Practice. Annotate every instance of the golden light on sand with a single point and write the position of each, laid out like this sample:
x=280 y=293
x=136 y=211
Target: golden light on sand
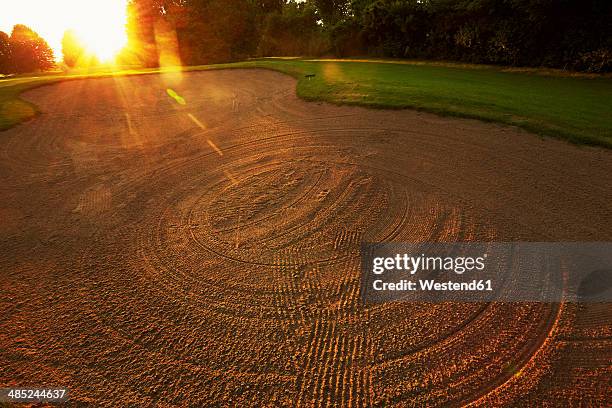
x=99 y=24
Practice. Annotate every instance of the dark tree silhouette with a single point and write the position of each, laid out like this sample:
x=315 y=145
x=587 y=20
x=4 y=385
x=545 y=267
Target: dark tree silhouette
x=269 y=6
x=293 y=31
x=332 y=11
x=30 y=52
x=5 y=54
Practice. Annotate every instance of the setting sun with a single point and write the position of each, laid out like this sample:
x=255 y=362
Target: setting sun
x=99 y=24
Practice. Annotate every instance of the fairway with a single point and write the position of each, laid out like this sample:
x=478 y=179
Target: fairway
x=183 y=238
x=572 y=108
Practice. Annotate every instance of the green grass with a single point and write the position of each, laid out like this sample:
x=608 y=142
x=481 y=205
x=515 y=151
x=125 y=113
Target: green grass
x=12 y=109
x=574 y=108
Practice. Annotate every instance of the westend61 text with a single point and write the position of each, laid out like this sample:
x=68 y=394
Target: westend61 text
x=431 y=285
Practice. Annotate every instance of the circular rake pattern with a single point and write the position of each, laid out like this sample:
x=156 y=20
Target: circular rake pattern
x=271 y=232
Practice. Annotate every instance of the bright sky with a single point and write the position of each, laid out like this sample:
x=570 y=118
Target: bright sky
x=99 y=23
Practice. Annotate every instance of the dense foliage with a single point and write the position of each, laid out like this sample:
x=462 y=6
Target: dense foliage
x=24 y=51
x=569 y=34
x=557 y=33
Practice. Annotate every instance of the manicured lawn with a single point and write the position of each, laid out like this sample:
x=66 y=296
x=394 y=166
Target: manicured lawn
x=12 y=109
x=578 y=109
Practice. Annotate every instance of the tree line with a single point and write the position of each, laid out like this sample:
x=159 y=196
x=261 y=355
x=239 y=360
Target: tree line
x=567 y=34
x=24 y=51
x=572 y=34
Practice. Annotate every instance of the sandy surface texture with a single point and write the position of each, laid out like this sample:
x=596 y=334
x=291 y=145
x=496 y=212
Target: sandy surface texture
x=200 y=247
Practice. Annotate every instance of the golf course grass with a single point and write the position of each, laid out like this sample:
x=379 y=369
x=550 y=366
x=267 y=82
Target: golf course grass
x=14 y=110
x=574 y=108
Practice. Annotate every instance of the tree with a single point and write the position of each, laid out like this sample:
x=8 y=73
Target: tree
x=398 y=28
x=142 y=17
x=29 y=51
x=269 y=6
x=292 y=31
x=72 y=49
x=5 y=53
x=211 y=31
x=332 y=11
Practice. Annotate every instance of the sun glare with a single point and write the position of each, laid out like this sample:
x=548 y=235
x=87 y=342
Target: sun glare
x=99 y=24
x=102 y=28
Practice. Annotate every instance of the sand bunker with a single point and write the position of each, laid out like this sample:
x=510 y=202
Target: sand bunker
x=207 y=251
